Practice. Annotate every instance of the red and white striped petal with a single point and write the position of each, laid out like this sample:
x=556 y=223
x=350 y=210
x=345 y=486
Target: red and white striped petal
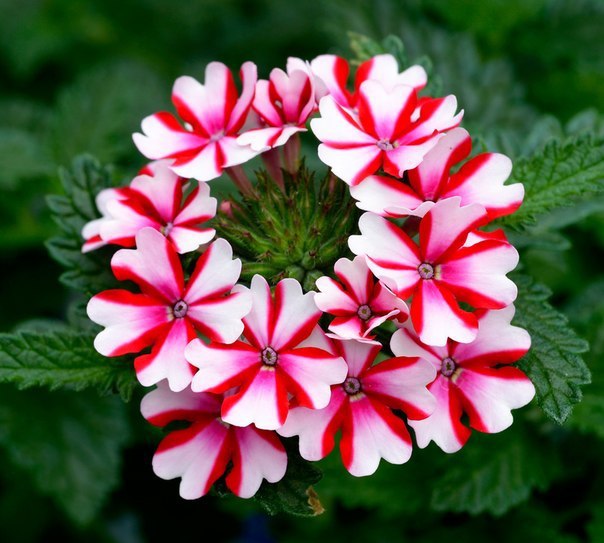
x=296 y=315
x=370 y=432
x=356 y=277
x=388 y=197
x=384 y=301
x=435 y=115
x=203 y=163
x=162 y=406
x=437 y=317
x=391 y=255
x=295 y=93
x=91 y=230
x=351 y=164
x=259 y=321
x=333 y=73
x=498 y=342
x=215 y=274
x=482 y=180
x=221 y=367
x=154 y=266
x=316 y=428
x=333 y=299
x=476 y=274
x=167 y=358
x=445 y=228
x=257 y=455
x=262 y=401
x=163 y=190
x=384 y=68
x=384 y=114
x=126 y=218
x=358 y=355
x=263 y=139
x=232 y=153
x=319 y=340
x=489 y=395
x=188 y=239
x=199 y=207
x=310 y=374
x=350 y=327
x=443 y=426
x=409 y=155
x=199 y=455
x=430 y=179
x=405 y=343
x=132 y=321
x=401 y=383
x=248 y=75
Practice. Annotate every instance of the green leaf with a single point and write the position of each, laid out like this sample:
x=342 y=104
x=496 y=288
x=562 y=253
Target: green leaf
x=89 y=273
x=294 y=494
x=69 y=443
x=558 y=176
x=494 y=473
x=62 y=359
x=554 y=363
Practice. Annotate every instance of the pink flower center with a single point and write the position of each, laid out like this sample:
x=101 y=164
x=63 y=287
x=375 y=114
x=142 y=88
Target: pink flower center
x=425 y=270
x=180 y=309
x=351 y=386
x=448 y=366
x=217 y=136
x=269 y=356
x=364 y=312
x=385 y=145
x=165 y=230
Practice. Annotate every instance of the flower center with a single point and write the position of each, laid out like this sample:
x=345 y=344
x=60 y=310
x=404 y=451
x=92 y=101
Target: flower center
x=165 y=230
x=351 y=386
x=217 y=136
x=425 y=270
x=385 y=145
x=269 y=356
x=448 y=366
x=180 y=309
x=364 y=312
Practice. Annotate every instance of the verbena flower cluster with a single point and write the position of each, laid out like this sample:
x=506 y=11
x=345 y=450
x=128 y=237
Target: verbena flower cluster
x=415 y=330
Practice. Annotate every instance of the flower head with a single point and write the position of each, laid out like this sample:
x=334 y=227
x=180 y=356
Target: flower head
x=284 y=353
x=361 y=407
x=201 y=453
x=213 y=117
x=474 y=378
x=168 y=313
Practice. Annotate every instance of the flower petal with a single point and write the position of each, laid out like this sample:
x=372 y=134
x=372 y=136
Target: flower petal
x=386 y=196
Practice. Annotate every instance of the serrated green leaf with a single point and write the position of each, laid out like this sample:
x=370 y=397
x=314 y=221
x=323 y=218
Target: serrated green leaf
x=69 y=443
x=554 y=363
x=559 y=176
x=89 y=273
x=494 y=473
x=62 y=359
x=294 y=494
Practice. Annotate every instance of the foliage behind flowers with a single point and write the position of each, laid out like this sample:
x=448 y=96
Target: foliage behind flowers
x=492 y=475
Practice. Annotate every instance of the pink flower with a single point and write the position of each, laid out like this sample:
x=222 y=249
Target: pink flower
x=213 y=116
x=156 y=200
x=283 y=104
x=333 y=71
x=201 y=453
x=441 y=271
x=285 y=353
x=360 y=304
x=473 y=378
x=362 y=409
x=167 y=313
x=480 y=180
x=392 y=130
x=91 y=232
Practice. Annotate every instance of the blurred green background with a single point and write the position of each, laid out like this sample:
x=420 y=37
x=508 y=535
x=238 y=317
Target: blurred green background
x=78 y=76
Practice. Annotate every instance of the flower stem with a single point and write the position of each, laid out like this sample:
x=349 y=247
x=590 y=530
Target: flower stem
x=291 y=153
x=241 y=180
x=272 y=164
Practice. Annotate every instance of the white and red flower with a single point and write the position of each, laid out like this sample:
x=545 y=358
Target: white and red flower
x=480 y=180
x=91 y=232
x=283 y=103
x=155 y=199
x=392 y=130
x=201 y=453
x=213 y=117
x=473 y=378
x=167 y=313
x=332 y=73
x=440 y=272
x=360 y=304
x=285 y=353
x=361 y=407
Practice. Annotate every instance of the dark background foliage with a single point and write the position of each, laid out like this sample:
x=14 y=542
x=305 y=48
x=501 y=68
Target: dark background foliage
x=79 y=76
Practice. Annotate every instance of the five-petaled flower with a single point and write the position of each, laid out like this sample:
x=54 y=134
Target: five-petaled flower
x=361 y=407
x=167 y=313
x=155 y=200
x=392 y=130
x=360 y=304
x=285 y=353
x=201 y=453
x=213 y=117
x=441 y=271
x=480 y=180
x=473 y=378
